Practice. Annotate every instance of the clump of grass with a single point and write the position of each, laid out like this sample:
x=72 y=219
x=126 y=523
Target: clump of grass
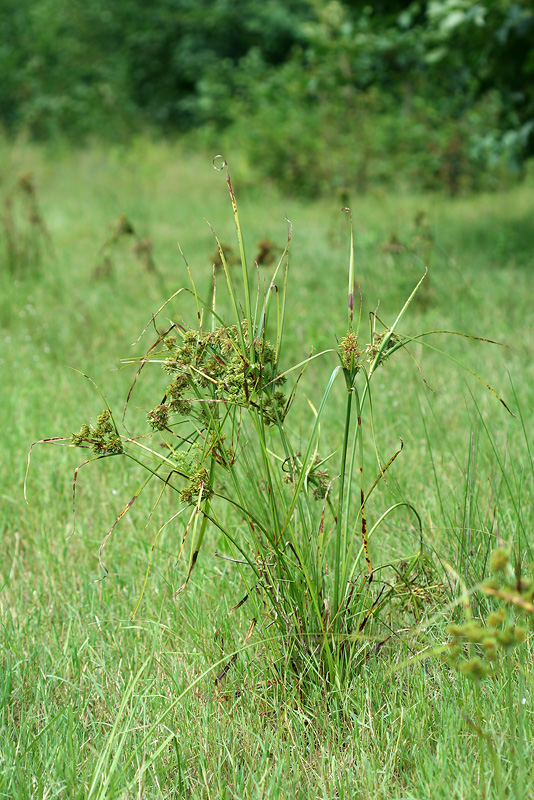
x=265 y=255
x=296 y=515
x=419 y=246
x=25 y=236
x=122 y=230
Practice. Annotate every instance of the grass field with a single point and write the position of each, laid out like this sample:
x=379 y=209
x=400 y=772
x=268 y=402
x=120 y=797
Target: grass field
x=95 y=704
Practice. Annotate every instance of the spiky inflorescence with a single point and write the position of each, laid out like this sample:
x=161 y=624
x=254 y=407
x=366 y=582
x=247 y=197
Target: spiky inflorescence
x=211 y=367
x=349 y=350
x=373 y=349
x=103 y=439
x=500 y=632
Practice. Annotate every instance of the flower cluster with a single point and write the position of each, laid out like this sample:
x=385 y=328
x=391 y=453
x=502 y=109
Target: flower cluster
x=103 y=439
x=198 y=487
x=373 y=349
x=489 y=639
x=351 y=353
x=498 y=633
x=349 y=350
x=318 y=478
x=190 y=465
x=211 y=367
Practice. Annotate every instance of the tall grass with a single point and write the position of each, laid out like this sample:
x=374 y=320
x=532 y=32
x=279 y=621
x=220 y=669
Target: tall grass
x=24 y=237
x=409 y=724
x=298 y=526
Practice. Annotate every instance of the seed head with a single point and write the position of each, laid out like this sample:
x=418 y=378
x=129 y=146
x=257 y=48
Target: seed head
x=158 y=418
x=349 y=350
x=474 y=669
x=500 y=558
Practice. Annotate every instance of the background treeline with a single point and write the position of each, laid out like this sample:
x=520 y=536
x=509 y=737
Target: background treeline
x=318 y=95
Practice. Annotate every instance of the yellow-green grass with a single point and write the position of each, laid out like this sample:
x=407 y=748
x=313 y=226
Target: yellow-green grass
x=69 y=649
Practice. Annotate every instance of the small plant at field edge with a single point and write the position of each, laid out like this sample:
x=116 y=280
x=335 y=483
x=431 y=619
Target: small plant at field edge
x=121 y=230
x=295 y=517
x=24 y=232
x=481 y=648
x=476 y=647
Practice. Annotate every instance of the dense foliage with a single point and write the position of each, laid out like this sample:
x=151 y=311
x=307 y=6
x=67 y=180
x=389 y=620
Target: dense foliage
x=439 y=93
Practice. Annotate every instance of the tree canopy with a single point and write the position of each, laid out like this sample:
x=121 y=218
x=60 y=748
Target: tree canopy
x=450 y=78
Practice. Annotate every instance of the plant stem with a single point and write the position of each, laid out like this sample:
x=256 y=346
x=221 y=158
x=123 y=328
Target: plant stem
x=339 y=523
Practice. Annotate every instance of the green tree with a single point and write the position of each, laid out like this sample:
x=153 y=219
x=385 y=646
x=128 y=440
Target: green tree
x=489 y=46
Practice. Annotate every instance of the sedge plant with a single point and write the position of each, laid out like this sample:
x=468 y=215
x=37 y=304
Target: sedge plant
x=24 y=236
x=295 y=518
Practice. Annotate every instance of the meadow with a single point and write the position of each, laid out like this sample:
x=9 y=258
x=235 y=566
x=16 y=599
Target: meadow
x=97 y=702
